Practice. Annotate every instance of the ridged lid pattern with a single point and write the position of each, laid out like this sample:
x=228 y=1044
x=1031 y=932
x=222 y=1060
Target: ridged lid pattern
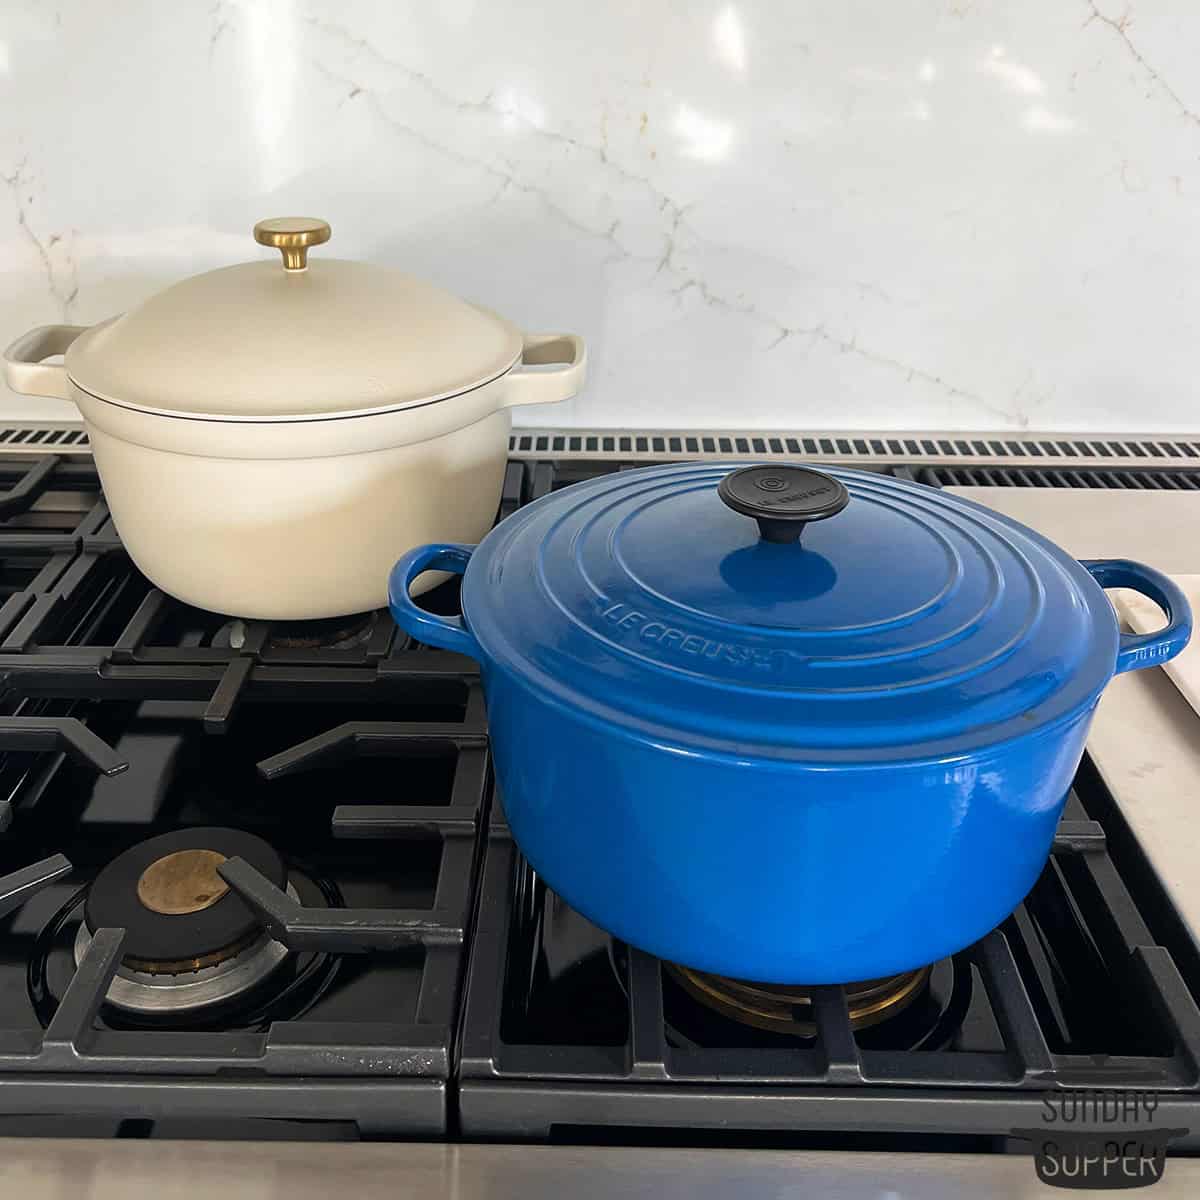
x=912 y=622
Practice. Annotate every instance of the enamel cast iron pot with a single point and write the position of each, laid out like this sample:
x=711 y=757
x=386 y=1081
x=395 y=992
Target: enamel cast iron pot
x=270 y=435
x=780 y=724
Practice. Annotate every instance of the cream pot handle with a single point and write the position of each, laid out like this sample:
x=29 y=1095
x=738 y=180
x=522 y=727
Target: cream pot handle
x=24 y=368
x=565 y=353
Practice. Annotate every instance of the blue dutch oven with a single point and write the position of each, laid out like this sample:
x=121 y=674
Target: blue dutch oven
x=781 y=724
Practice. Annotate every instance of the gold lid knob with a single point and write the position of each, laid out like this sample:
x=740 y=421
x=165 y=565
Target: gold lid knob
x=292 y=236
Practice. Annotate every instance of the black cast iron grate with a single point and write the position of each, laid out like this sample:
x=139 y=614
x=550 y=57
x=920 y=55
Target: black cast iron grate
x=78 y=619
x=385 y=1063
x=1079 y=929
x=83 y=635
x=92 y=656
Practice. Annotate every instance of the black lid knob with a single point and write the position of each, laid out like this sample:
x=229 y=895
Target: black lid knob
x=783 y=498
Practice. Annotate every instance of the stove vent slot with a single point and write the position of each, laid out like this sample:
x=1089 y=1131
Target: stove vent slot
x=1052 y=477
x=1103 y=454
x=858 y=447
x=31 y=439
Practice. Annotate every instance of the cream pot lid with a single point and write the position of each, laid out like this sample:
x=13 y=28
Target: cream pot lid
x=299 y=339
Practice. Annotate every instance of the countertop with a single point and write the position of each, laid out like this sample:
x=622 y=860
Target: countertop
x=1096 y=523
x=130 y=1170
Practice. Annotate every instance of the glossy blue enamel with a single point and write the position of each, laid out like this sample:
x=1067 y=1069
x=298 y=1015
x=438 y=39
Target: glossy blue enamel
x=815 y=762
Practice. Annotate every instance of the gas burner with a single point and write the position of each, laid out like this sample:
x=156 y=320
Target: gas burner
x=161 y=992
x=915 y=1010
x=189 y=941
x=335 y=633
x=332 y=633
x=787 y=1009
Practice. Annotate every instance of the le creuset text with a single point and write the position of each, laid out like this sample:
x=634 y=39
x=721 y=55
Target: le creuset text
x=680 y=642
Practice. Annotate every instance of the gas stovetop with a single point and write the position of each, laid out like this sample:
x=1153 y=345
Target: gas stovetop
x=393 y=968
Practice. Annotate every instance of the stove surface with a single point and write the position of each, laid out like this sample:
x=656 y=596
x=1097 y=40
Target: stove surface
x=424 y=983
x=569 y=1035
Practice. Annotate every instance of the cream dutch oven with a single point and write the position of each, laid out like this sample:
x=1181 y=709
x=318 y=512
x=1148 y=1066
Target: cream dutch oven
x=271 y=437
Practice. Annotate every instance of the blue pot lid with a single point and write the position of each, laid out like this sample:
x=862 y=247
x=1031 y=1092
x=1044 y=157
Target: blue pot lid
x=783 y=611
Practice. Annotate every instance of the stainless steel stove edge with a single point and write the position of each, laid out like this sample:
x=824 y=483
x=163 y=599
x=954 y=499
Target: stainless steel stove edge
x=108 y=1169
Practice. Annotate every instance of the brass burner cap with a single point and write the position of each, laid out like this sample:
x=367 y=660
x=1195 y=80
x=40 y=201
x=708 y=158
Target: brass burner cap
x=788 y=1009
x=183 y=882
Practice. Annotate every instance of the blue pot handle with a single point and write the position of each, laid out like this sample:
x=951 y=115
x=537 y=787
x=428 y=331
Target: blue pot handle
x=1146 y=649
x=448 y=633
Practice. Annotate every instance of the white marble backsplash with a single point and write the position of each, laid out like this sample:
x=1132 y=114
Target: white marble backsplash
x=761 y=213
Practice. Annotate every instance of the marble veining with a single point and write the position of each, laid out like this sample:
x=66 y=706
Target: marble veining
x=927 y=214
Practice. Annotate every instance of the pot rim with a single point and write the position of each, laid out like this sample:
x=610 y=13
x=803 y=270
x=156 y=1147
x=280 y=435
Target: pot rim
x=970 y=747
x=537 y=602
x=704 y=714
x=288 y=419
x=296 y=441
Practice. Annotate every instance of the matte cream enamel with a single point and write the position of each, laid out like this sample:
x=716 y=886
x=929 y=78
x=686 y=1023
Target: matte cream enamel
x=270 y=441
